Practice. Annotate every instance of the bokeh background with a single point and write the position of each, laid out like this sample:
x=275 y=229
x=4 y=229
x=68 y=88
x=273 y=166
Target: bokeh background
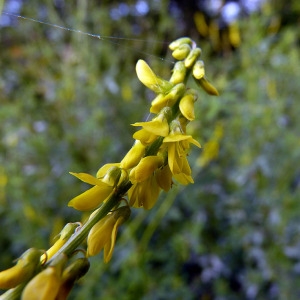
x=66 y=104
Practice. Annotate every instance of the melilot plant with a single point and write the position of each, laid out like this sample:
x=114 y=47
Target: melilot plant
x=157 y=158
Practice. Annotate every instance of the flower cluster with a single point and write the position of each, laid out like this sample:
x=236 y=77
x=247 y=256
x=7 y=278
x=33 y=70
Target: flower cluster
x=157 y=157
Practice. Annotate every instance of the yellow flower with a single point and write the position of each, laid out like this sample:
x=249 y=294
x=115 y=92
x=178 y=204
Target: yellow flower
x=133 y=156
x=93 y=197
x=178 y=73
x=145 y=193
x=25 y=268
x=158 y=126
x=164 y=178
x=178 y=144
x=64 y=235
x=168 y=99
x=103 y=234
x=150 y=79
x=145 y=168
x=46 y=284
x=186 y=106
x=144 y=136
x=145 y=189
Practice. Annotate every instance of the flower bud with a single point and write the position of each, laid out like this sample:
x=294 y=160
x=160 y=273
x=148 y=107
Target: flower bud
x=186 y=106
x=145 y=168
x=190 y=60
x=198 y=69
x=103 y=234
x=207 y=86
x=179 y=72
x=150 y=80
x=158 y=126
x=64 y=235
x=70 y=275
x=164 y=178
x=181 y=52
x=133 y=156
x=177 y=43
x=25 y=268
x=45 y=285
x=112 y=176
x=168 y=100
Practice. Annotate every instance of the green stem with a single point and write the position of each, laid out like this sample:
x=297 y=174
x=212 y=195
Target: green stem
x=79 y=236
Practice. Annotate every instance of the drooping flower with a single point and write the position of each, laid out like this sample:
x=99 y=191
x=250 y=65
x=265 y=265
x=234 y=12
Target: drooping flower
x=94 y=196
x=178 y=144
x=147 y=76
x=103 y=234
x=145 y=189
x=24 y=269
x=186 y=105
x=107 y=178
x=168 y=99
x=45 y=285
x=133 y=156
x=64 y=235
x=151 y=130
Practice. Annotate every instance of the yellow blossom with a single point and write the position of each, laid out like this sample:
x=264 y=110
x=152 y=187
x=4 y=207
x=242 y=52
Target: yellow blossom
x=177 y=43
x=150 y=79
x=179 y=72
x=46 y=284
x=158 y=126
x=167 y=99
x=144 y=136
x=93 y=197
x=186 y=106
x=145 y=168
x=133 y=156
x=164 y=178
x=178 y=145
x=64 y=235
x=103 y=234
x=145 y=189
x=181 y=52
x=25 y=268
x=191 y=58
x=145 y=193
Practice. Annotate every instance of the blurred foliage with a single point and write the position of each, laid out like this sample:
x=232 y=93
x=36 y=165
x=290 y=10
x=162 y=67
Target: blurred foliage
x=67 y=102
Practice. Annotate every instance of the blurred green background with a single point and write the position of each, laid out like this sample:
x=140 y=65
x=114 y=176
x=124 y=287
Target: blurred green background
x=67 y=102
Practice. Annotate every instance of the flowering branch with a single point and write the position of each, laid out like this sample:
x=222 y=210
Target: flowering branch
x=158 y=156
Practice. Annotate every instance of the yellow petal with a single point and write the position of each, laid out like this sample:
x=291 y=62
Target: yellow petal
x=87 y=178
x=91 y=198
x=133 y=156
x=103 y=170
x=109 y=247
x=177 y=43
x=207 y=86
x=22 y=271
x=145 y=136
x=181 y=52
x=198 y=69
x=150 y=193
x=183 y=178
x=150 y=80
x=43 y=286
x=179 y=72
x=186 y=106
x=164 y=178
x=191 y=58
x=157 y=127
x=145 y=168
